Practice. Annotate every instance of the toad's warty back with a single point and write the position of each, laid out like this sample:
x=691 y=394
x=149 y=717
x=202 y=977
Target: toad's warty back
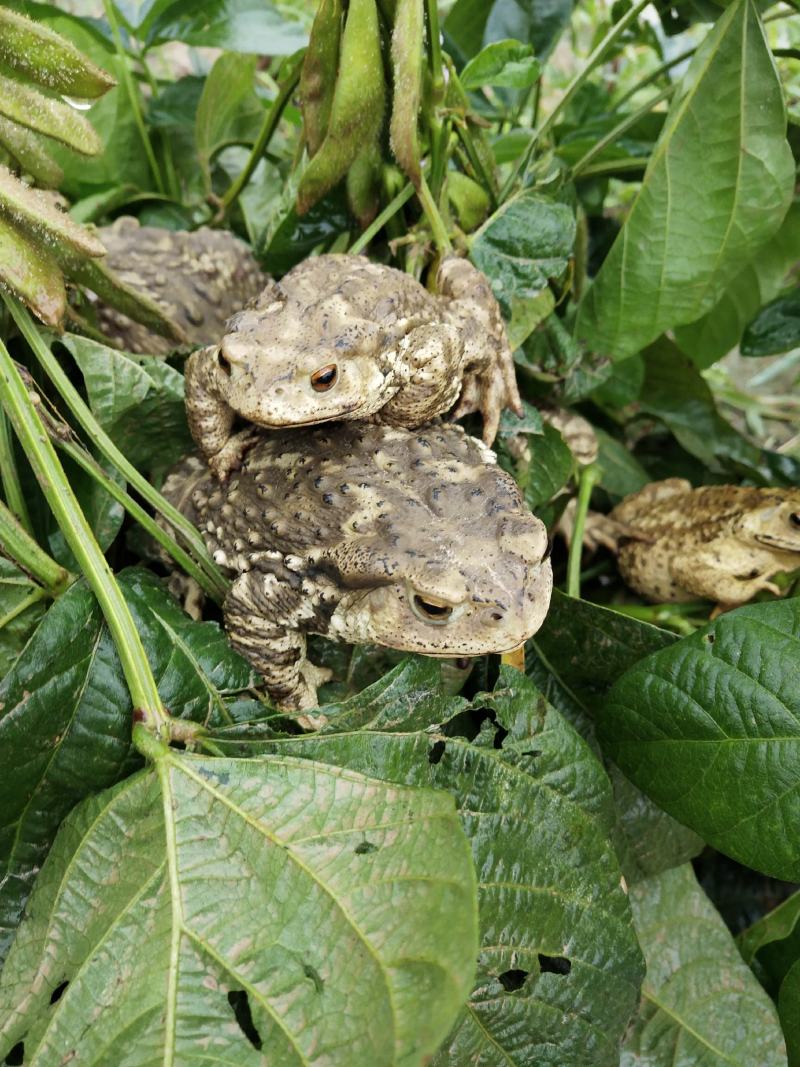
x=365 y=533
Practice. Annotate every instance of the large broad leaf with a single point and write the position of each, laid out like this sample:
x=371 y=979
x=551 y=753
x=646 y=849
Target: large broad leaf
x=137 y=400
x=524 y=244
x=577 y=655
x=331 y=916
x=700 y=1003
x=65 y=714
x=788 y=1001
x=536 y=806
x=228 y=84
x=254 y=26
x=717 y=187
x=760 y=281
x=710 y=729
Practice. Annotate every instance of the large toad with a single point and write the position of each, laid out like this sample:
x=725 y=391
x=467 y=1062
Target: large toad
x=342 y=338
x=721 y=542
x=411 y=539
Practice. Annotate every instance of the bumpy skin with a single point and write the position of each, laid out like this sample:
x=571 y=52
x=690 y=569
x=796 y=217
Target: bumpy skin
x=721 y=542
x=199 y=279
x=401 y=354
x=337 y=533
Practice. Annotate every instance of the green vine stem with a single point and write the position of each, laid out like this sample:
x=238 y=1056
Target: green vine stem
x=380 y=220
x=588 y=479
x=622 y=127
x=19 y=546
x=36 y=594
x=133 y=95
x=89 y=464
x=582 y=76
x=654 y=75
x=77 y=532
x=268 y=128
x=437 y=74
x=10 y=476
x=106 y=446
x=438 y=230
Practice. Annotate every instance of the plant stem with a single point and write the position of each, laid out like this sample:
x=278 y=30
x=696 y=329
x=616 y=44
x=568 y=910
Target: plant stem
x=10 y=476
x=621 y=127
x=654 y=75
x=19 y=546
x=89 y=464
x=268 y=127
x=78 y=534
x=133 y=94
x=612 y=166
x=380 y=221
x=441 y=240
x=437 y=76
x=589 y=476
x=582 y=76
x=107 y=447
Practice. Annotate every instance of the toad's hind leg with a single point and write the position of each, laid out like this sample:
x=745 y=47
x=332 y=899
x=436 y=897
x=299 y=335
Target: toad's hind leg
x=259 y=613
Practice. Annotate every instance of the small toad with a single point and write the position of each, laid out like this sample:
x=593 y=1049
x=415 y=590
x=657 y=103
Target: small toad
x=340 y=338
x=412 y=539
x=721 y=542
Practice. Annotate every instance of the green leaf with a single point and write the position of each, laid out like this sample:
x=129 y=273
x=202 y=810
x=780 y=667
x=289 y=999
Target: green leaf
x=136 y=399
x=777 y=925
x=21 y=608
x=620 y=472
x=541 y=22
x=104 y=514
x=535 y=805
x=339 y=908
x=509 y=64
x=524 y=244
x=700 y=1004
x=721 y=328
x=710 y=729
x=549 y=469
x=229 y=82
x=29 y=271
x=294 y=238
x=716 y=189
x=775 y=329
x=788 y=999
x=575 y=657
x=252 y=26
x=65 y=718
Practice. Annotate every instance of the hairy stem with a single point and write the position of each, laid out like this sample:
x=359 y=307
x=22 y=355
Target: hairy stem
x=580 y=78
x=78 y=534
x=380 y=221
x=133 y=95
x=440 y=237
x=268 y=127
x=9 y=475
x=19 y=546
x=588 y=479
x=106 y=446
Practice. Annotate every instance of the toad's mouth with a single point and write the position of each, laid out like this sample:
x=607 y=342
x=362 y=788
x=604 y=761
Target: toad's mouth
x=312 y=421
x=785 y=544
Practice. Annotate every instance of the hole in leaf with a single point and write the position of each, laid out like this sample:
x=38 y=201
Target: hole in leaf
x=365 y=847
x=500 y=735
x=16 y=1055
x=240 y=1002
x=532 y=752
x=554 y=964
x=710 y=638
x=512 y=980
x=436 y=751
x=58 y=992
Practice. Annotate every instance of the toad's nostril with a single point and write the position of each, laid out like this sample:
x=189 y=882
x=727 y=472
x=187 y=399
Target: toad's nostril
x=497 y=616
x=223 y=363
x=794 y=519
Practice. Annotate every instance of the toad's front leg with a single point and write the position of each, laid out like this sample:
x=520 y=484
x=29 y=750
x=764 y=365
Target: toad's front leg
x=490 y=382
x=261 y=618
x=210 y=416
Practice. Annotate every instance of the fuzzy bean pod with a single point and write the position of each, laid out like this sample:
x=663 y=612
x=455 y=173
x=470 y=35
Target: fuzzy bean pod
x=408 y=54
x=318 y=76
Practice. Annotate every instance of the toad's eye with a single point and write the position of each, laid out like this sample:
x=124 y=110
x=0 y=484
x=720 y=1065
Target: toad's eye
x=325 y=378
x=794 y=519
x=430 y=610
